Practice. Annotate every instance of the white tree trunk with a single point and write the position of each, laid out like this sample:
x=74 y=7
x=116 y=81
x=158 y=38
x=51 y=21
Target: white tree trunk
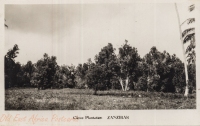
x=126 y=86
x=121 y=82
x=185 y=62
x=148 y=79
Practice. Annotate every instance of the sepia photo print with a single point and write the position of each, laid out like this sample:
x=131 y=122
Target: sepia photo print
x=105 y=56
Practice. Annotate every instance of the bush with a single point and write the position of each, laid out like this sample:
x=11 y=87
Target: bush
x=141 y=85
x=80 y=83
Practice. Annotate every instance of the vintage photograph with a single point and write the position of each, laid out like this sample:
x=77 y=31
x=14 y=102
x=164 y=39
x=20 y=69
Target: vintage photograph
x=108 y=56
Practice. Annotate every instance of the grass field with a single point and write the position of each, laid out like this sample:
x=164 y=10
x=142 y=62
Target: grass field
x=83 y=99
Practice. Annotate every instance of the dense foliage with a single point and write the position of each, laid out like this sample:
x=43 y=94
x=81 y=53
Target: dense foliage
x=156 y=71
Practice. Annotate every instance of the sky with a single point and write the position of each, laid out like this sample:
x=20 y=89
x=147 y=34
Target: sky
x=76 y=32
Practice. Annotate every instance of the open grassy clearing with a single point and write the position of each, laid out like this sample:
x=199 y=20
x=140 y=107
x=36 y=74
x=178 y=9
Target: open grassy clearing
x=83 y=99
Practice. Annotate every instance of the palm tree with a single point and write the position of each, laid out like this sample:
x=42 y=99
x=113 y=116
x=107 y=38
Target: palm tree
x=189 y=36
x=186 y=36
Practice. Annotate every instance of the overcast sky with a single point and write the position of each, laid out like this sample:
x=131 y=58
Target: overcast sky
x=75 y=32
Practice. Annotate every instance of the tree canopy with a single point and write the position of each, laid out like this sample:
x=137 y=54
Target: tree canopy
x=156 y=71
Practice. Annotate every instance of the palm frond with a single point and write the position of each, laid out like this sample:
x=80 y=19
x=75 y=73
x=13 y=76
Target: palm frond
x=191 y=7
x=191 y=57
x=189 y=37
x=190 y=47
x=6 y=25
x=187 y=31
x=189 y=21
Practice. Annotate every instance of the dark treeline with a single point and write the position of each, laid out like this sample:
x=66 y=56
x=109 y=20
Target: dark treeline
x=156 y=71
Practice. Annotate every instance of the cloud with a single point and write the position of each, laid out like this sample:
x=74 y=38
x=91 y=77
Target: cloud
x=41 y=19
x=75 y=32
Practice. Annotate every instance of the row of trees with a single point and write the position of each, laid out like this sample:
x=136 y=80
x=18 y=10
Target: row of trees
x=156 y=71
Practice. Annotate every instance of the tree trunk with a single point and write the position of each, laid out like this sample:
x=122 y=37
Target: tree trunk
x=126 y=86
x=186 y=90
x=148 y=79
x=185 y=63
x=121 y=82
x=95 y=90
